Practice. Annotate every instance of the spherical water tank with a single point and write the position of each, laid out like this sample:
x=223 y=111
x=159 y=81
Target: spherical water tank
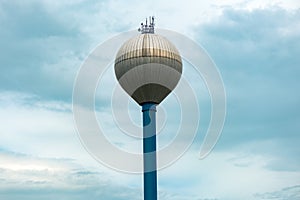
x=148 y=67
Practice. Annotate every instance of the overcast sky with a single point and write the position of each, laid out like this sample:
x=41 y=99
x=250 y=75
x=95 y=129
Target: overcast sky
x=256 y=47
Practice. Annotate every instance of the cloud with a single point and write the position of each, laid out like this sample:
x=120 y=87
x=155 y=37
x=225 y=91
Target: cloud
x=34 y=41
x=225 y=175
x=43 y=44
x=288 y=193
x=256 y=52
x=32 y=177
x=38 y=127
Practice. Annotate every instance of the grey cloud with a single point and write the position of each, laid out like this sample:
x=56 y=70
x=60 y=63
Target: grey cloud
x=256 y=52
x=288 y=193
x=36 y=43
x=43 y=43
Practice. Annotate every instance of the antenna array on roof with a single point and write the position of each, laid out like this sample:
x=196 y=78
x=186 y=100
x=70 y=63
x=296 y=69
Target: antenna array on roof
x=145 y=28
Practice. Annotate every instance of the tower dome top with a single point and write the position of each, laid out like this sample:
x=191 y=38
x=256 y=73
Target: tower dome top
x=154 y=47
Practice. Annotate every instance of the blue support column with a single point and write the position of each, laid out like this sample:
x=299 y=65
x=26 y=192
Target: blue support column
x=149 y=150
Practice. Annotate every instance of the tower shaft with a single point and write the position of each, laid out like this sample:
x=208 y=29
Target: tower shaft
x=149 y=149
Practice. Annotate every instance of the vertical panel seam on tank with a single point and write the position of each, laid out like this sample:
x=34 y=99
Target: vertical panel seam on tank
x=156 y=57
x=166 y=51
x=141 y=43
x=143 y=49
x=151 y=49
x=148 y=54
x=125 y=68
x=122 y=58
x=133 y=52
x=140 y=54
x=136 y=50
x=169 y=56
x=160 y=47
x=144 y=54
x=129 y=53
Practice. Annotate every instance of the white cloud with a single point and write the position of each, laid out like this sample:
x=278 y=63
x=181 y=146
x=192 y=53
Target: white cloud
x=35 y=177
x=225 y=175
x=43 y=128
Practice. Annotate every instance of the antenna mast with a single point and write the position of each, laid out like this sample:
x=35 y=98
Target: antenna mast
x=145 y=28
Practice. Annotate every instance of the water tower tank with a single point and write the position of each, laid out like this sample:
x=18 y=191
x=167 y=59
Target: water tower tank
x=148 y=67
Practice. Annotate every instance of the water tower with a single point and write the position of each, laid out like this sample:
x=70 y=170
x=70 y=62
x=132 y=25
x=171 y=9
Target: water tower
x=148 y=67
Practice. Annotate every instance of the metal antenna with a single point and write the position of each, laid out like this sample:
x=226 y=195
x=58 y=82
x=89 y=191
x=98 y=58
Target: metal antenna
x=145 y=28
